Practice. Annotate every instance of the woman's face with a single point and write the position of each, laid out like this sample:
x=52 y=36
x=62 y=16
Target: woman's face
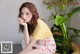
x=26 y=14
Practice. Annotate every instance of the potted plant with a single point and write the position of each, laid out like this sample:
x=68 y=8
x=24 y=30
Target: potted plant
x=66 y=44
x=61 y=21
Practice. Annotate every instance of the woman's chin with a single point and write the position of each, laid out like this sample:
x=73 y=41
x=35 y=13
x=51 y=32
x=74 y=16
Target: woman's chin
x=26 y=21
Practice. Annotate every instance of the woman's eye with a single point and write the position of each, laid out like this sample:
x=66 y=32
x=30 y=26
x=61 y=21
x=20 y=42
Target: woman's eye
x=27 y=13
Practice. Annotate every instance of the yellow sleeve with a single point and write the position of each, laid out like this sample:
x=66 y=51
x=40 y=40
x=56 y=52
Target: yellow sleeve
x=41 y=31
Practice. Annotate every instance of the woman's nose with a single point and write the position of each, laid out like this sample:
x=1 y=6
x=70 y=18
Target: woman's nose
x=24 y=17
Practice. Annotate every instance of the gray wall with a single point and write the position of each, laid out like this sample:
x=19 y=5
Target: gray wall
x=9 y=24
x=75 y=23
x=8 y=18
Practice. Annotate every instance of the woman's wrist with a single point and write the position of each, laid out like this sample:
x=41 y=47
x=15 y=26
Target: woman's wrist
x=25 y=25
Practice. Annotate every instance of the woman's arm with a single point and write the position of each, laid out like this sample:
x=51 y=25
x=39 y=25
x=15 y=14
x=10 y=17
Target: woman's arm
x=26 y=35
x=29 y=47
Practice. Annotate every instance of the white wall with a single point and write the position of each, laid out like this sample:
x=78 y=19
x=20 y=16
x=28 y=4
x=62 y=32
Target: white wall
x=8 y=18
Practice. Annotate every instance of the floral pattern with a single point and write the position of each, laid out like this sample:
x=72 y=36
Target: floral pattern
x=48 y=45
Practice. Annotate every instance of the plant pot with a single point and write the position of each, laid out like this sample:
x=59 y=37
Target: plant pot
x=76 y=48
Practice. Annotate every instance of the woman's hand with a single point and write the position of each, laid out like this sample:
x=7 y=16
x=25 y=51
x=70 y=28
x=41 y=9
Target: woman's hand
x=21 y=21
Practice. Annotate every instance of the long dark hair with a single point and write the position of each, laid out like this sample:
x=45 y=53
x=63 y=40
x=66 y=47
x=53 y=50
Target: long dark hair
x=34 y=19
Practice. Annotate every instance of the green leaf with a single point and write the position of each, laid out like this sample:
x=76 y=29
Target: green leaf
x=60 y=20
x=51 y=17
x=62 y=7
x=75 y=10
x=76 y=31
x=50 y=6
x=58 y=43
x=74 y=36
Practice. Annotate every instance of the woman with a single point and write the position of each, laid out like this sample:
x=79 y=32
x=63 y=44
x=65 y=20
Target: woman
x=37 y=35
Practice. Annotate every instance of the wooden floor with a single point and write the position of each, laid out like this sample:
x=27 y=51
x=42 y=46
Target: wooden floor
x=76 y=48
